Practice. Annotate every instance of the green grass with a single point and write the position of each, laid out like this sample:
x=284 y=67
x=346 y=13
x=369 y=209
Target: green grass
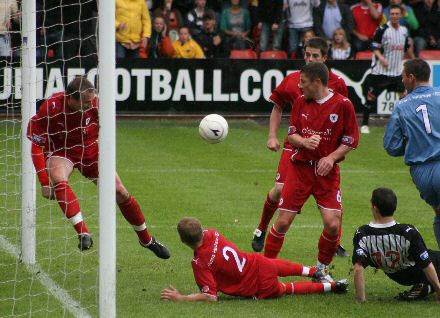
x=173 y=173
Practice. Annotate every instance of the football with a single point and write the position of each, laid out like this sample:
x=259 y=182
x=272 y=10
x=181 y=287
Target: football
x=213 y=128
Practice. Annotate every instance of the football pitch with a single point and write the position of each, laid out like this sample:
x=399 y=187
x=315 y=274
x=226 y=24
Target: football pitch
x=174 y=173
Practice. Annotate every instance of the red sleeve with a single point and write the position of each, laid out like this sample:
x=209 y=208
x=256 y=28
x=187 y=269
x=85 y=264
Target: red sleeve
x=350 y=136
x=204 y=278
x=294 y=122
x=40 y=164
x=343 y=90
x=279 y=95
x=37 y=127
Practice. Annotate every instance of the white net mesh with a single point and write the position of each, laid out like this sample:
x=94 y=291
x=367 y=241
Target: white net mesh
x=63 y=282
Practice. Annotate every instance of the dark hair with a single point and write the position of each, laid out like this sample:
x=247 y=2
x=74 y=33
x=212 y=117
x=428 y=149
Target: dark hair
x=396 y=6
x=316 y=70
x=419 y=68
x=190 y=231
x=385 y=200
x=317 y=43
x=78 y=86
x=208 y=15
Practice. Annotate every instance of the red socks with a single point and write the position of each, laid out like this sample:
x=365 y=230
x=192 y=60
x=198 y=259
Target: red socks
x=268 y=211
x=301 y=288
x=274 y=243
x=70 y=206
x=286 y=268
x=132 y=212
x=328 y=245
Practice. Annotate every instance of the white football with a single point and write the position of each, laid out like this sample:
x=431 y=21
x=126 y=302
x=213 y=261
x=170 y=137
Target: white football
x=213 y=128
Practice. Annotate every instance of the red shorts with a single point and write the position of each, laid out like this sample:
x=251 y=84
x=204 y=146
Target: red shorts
x=83 y=159
x=283 y=166
x=268 y=284
x=303 y=182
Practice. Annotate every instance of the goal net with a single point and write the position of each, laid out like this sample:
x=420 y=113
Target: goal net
x=42 y=271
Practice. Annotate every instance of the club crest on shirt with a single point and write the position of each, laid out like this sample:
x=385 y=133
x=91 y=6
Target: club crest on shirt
x=424 y=256
x=334 y=118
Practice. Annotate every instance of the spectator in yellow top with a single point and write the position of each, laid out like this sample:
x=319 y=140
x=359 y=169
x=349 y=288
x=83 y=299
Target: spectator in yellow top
x=133 y=27
x=185 y=47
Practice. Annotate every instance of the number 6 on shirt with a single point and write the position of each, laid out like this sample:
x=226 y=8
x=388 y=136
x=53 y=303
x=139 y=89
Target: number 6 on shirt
x=240 y=264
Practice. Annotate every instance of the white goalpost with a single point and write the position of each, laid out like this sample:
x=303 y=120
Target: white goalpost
x=41 y=269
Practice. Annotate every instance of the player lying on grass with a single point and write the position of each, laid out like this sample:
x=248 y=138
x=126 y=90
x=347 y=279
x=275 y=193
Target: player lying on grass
x=64 y=135
x=219 y=266
x=397 y=249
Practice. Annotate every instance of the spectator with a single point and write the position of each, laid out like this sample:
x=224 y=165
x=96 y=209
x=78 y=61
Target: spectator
x=173 y=18
x=408 y=20
x=8 y=11
x=49 y=27
x=160 y=44
x=299 y=20
x=428 y=34
x=236 y=24
x=185 y=47
x=195 y=16
x=79 y=20
x=331 y=15
x=340 y=48
x=367 y=16
x=300 y=50
x=133 y=27
x=271 y=22
x=212 y=40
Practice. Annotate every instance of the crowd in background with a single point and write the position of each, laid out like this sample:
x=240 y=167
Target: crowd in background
x=212 y=28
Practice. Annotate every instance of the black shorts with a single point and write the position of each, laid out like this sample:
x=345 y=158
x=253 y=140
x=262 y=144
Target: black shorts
x=374 y=85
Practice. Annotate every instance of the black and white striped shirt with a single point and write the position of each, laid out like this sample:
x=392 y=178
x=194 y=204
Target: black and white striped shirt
x=397 y=249
x=392 y=43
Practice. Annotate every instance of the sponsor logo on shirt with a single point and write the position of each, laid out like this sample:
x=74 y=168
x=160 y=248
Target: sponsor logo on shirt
x=334 y=118
x=347 y=140
x=214 y=250
x=310 y=131
x=292 y=130
x=424 y=256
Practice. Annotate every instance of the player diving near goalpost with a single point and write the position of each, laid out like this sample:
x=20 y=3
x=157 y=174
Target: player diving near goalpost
x=219 y=266
x=414 y=132
x=64 y=135
x=397 y=249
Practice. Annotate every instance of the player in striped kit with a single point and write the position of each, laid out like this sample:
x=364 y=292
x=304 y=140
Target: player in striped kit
x=389 y=45
x=414 y=132
x=397 y=249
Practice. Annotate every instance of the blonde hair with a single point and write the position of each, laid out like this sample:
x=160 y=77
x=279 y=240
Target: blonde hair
x=344 y=45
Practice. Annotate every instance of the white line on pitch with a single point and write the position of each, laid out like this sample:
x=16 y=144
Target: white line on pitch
x=201 y=170
x=59 y=293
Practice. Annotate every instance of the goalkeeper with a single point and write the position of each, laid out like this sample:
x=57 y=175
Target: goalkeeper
x=64 y=135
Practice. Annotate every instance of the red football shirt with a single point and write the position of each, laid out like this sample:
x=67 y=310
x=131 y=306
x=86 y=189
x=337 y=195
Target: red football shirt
x=219 y=266
x=334 y=120
x=365 y=24
x=57 y=127
x=288 y=91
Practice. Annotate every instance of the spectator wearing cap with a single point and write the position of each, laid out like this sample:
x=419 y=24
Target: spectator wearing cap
x=185 y=47
x=211 y=39
x=271 y=22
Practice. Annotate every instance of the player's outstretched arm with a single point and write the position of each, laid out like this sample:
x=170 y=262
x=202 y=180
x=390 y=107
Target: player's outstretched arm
x=274 y=125
x=431 y=275
x=173 y=294
x=359 y=282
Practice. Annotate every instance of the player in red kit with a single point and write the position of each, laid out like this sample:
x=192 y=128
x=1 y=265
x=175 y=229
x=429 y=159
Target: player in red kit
x=219 y=266
x=64 y=135
x=285 y=94
x=323 y=130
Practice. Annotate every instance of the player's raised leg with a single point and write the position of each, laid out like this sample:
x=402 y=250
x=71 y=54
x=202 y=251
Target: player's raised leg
x=59 y=170
x=132 y=212
x=275 y=239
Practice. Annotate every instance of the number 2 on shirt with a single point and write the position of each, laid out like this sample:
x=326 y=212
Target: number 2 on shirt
x=425 y=116
x=240 y=263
